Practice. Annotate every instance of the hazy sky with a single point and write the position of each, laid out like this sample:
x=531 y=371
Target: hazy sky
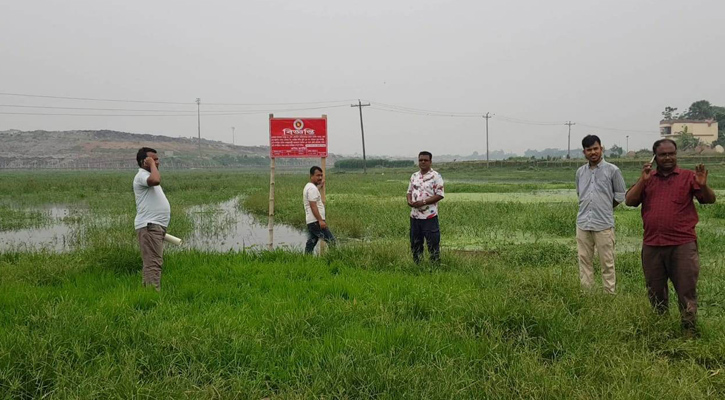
x=613 y=64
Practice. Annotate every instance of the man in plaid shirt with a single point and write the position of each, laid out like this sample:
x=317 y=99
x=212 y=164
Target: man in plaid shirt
x=669 y=249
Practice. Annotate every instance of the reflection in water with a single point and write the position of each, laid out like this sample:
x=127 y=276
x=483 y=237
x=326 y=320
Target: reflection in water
x=225 y=227
x=219 y=227
x=53 y=234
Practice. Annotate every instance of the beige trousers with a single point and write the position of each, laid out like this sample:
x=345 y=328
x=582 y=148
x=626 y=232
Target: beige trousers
x=603 y=241
x=151 y=241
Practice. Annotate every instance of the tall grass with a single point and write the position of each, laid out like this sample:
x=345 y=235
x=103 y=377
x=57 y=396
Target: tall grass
x=501 y=317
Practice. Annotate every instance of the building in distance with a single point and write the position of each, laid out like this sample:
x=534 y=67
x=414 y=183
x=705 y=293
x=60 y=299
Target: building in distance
x=705 y=130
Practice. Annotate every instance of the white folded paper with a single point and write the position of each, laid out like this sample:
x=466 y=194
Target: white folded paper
x=172 y=239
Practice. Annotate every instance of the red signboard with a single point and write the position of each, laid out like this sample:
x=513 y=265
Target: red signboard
x=297 y=137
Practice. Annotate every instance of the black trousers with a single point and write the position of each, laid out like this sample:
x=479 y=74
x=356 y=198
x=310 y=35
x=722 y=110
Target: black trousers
x=428 y=230
x=680 y=265
x=314 y=234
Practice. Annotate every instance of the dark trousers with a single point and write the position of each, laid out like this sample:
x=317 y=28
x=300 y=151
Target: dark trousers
x=428 y=230
x=315 y=233
x=681 y=265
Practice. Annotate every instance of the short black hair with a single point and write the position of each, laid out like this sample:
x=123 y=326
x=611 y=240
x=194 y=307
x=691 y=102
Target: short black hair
x=426 y=153
x=142 y=154
x=589 y=141
x=315 y=168
x=659 y=142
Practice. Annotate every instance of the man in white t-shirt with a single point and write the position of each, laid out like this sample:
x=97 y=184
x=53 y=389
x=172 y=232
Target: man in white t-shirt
x=315 y=212
x=424 y=192
x=153 y=213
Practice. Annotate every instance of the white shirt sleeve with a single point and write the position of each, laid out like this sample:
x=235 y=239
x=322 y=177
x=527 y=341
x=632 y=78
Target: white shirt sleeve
x=312 y=193
x=142 y=179
x=307 y=194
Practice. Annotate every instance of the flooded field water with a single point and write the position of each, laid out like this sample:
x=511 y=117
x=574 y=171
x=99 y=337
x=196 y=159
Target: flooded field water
x=218 y=227
x=225 y=226
x=56 y=232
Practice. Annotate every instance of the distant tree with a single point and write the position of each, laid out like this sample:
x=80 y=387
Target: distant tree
x=643 y=153
x=720 y=139
x=669 y=113
x=616 y=151
x=719 y=115
x=701 y=109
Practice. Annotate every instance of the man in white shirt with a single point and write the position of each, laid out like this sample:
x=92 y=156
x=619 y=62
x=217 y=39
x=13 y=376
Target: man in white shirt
x=153 y=213
x=424 y=192
x=315 y=212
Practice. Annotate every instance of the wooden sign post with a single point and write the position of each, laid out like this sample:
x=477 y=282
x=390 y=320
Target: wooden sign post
x=323 y=165
x=270 y=215
x=295 y=138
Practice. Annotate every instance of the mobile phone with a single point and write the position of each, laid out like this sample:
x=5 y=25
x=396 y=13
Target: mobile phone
x=653 y=159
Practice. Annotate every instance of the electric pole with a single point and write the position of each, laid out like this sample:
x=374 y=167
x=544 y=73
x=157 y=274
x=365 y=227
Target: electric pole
x=198 y=121
x=568 y=148
x=627 y=144
x=487 y=116
x=360 y=105
x=233 y=136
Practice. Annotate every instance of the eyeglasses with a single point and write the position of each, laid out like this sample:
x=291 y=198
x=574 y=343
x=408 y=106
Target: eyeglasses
x=423 y=160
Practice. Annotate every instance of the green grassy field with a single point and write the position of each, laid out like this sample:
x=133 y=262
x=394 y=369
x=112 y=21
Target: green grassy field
x=501 y=317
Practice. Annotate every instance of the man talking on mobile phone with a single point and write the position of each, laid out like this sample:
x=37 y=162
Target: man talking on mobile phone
x=669 y=249
x=153 y=214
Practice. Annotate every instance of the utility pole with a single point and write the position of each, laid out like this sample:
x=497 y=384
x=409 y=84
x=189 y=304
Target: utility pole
x=360 y=105
x=487 y=116
x=627 y=143
x=198 y=121
x=568 y=149
x=233 y=136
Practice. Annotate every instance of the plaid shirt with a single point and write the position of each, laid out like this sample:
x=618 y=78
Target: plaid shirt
x=598 y=188
x=668 y=212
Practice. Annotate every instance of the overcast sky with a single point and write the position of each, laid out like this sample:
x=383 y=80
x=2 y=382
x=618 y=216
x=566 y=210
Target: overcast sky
x=614 y=64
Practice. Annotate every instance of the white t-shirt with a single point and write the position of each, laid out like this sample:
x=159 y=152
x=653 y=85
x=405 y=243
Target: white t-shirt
x=311 y=193
x=151 y=204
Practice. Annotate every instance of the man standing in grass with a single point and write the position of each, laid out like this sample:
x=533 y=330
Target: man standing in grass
x=424 y=192
x=315 y=211
x=153 y=214
x=669 y=216
x=600 y=187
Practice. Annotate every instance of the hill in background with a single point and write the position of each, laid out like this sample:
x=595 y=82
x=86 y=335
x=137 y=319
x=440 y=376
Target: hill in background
x=113 y=149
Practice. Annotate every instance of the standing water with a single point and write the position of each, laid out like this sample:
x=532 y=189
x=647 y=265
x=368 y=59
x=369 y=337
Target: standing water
x=226 y=227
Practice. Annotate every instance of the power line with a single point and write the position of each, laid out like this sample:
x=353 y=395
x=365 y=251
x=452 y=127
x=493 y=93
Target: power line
x=90 y=99
x=420 y=110
x=618 y=129
x=426 y=114
x=280 y=104
x=221 y=112
x=187 y=114
x=525 y=121
x=386 y=107
x=92 y=108
x=166 y=102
